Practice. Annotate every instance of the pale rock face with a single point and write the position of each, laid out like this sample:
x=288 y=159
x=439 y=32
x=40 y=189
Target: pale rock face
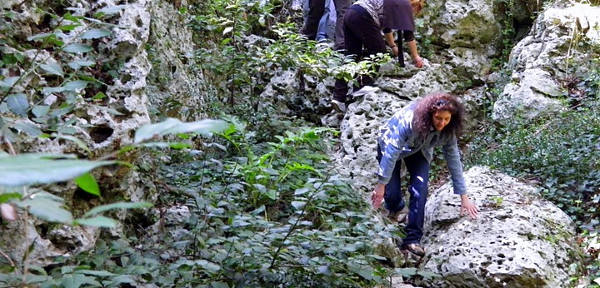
x=137 y=26
x=518 y=240
x=19 y=235
x=174 y=75
x=554 y=50
x=360 y=129
x=473 y=100
x=74 y=239
x=468 y=23
x=470 y=31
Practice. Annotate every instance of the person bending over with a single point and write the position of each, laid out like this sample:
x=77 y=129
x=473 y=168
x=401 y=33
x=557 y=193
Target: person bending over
x=410 y=136
x=362 y=25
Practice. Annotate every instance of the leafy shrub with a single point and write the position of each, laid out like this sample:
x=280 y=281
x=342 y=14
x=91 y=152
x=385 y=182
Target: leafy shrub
x=261 y=216
x=560 y=151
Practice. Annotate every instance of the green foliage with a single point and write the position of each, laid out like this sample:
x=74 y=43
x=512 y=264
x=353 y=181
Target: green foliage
x=32 y=168
x=174 y=126
x=47 y=76
x=88 y=183
x=261 y=216
x=560 y=151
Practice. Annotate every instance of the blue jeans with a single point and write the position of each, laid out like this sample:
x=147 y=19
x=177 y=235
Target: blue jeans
x=418 y=169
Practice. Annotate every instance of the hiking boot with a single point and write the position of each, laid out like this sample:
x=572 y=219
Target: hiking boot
x=414 y=248
x=338 y=106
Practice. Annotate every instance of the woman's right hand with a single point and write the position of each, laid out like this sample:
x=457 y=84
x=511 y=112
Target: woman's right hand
x=377 y=195
x=418 y=62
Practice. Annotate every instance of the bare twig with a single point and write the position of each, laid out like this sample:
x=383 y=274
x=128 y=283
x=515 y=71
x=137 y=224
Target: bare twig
x=11 y=149
x=12 y=264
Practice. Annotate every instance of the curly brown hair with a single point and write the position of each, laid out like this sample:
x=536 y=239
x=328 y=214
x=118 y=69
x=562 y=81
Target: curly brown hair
x=439 y=101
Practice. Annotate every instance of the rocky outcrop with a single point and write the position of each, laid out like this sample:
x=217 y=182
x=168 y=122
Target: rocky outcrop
x=556 y=49
x=518 y=240
x=468 y=31
x=175 y=76
x=142 y=59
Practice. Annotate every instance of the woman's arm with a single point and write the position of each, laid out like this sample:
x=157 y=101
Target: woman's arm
x=393 y=146
x=458 y=181
x=389 y=38
x=412 y=48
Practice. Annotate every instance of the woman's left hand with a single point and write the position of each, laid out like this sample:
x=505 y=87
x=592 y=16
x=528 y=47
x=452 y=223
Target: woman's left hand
x=467 y=207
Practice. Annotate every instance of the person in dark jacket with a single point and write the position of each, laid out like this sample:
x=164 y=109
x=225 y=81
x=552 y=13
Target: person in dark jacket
x=315 y=12
x=362 y=25
x=410 y=136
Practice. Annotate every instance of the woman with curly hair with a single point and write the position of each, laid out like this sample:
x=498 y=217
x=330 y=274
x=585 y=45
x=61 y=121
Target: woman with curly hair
x=410 y=136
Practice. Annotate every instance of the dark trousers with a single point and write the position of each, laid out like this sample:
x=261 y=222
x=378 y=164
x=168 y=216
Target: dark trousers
x=316 y=8
x=360 y=31
x=418 y=169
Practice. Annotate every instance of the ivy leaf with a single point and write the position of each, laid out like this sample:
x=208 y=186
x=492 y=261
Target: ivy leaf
x=219 y=284
x=99 y=96
x=118 y=205
x=18 y=104
x=67 y=28
x=174 y=126
x=27 y=127
x=98 y=221
x=53 y=69
x=88 y=183
x=9 y=82
x=227 y=30
x=5 y=197
x=46 y=207
x=40 y=36
x=34 y=168
x=77 y=64
x=301 y=191
x=40 y=110
x=78 y=280
x=74 y=86
x=298 y=204
x=111 y=10
x=77 y=48
x=75 y=140
x=95 y=34
x=406 y=272
x=364 y=271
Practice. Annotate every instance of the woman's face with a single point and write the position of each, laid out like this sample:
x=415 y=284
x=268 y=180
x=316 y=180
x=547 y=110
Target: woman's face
x=441 y=119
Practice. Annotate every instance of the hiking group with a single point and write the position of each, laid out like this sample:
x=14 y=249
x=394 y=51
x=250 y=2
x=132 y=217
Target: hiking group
x=412 y=133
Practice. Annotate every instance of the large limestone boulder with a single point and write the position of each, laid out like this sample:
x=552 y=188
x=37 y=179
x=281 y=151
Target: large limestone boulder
x=518 y=240
x=175 y=76
x=556 y=49
x=468 y=31
x=131 y=93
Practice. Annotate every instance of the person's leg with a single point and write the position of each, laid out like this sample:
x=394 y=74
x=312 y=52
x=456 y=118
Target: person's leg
x=400 y=48
x=340 y=10
x=353 y=46
x=311 y=24
x=323 y=23
x=418 y=168
x=370 y=35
